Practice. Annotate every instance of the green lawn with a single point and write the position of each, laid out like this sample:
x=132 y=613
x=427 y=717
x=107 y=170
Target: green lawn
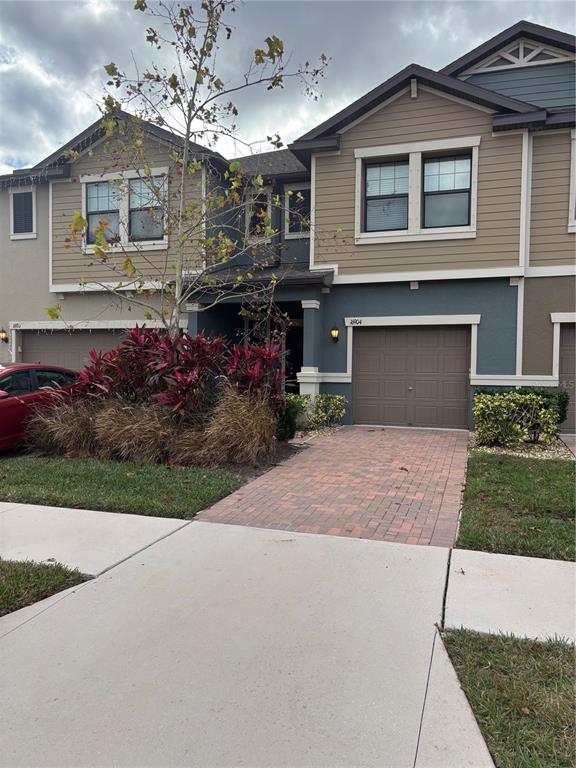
x=519 y=506
x=113 y=486
x=23 y=583
x=522 y=694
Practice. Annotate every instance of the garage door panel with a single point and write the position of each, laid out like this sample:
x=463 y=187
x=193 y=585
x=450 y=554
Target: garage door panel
x=420 y=376
x=68 y=349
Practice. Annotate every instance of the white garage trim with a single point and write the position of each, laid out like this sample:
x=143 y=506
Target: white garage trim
x=17 y=326
x=312 y=376
x=558 y=318
x=84 y=325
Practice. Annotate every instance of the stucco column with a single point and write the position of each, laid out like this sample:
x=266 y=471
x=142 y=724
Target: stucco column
x=308 y=377
x=193 y=310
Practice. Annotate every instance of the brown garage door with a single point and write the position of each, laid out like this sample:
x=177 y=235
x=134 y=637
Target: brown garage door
x=70 y=349
x=568 y=373
x=413 y=376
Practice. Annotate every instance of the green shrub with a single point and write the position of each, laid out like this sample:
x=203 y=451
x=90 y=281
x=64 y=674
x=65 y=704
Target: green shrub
x=327 y=411
x=291 y=414
x=509 y=418
x=553 y=397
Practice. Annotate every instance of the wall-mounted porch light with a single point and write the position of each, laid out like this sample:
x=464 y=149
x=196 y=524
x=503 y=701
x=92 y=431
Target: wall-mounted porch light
x=334 y=333
x=3 y=336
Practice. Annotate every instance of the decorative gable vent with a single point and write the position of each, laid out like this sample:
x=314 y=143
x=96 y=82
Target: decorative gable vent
x=520 y=53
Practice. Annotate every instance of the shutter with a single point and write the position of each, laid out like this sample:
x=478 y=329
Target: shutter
x=22 y=213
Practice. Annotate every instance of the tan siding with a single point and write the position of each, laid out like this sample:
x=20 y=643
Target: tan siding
x=550 y=241
x=69 y=264
x=428 y=117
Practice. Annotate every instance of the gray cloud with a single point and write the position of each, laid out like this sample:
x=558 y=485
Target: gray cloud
x=52 y=54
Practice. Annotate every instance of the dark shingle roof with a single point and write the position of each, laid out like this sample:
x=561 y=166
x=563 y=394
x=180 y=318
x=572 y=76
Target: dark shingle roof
x=279 y=162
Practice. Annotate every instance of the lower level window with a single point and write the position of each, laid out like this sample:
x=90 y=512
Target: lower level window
x=447 y=191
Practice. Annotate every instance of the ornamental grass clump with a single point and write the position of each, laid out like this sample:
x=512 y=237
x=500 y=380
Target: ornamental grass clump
x=509 y=418
x=241 y=430
x=134 y=432
x=64 y=427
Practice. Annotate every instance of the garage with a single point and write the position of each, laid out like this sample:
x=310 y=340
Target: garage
x=567 y=373
x=411 y=376
x=67 y=348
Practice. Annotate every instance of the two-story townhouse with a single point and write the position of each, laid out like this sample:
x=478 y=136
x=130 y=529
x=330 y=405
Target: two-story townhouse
x=442 y=226
x=439 y=254
x=43 y=266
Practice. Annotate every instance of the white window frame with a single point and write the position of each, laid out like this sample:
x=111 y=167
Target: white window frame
x=125 y=243
x=266 y=190
x=572 y=198
x=294 y=188
x=414 y=151
x=23 y=235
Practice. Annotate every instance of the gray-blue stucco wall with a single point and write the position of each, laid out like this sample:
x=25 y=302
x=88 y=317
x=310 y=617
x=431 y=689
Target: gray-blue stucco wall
x=495 y=300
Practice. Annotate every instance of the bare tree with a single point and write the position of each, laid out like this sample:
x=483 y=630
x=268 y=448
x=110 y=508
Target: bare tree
x=217 y=219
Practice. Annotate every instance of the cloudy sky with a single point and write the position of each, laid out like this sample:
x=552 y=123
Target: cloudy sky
x=52 y=53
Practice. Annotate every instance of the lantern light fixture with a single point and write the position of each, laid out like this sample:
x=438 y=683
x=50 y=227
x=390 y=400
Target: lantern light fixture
x=334 y=333
x=3 y=336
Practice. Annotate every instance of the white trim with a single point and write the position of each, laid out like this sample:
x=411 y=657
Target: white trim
x=413 y=320
x=458 y=100
x=418 y=146
x=556 y=350
x=413 y=88
x=23 y=235
x=312 y=209
x=563 y=317
x=125 y=245
x=88 y=325
x=513 y=381
x=552 y=271
x=14 y=338
x=415 y=232
x=525 y=199
x=572 y=200
x=520 y=61
x=313 y=375
x=557 y=319
x=50 y=229
x=264 y=190
x=310 y=304
x=519 y=326
x=473 y=348
x=294 y=188
x=121 y=175
x=104 y=287
x=437 y=274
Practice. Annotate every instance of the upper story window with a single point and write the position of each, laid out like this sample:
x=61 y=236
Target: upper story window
x=130 y=205
x=447 y=191
x=297 y=211
x=146 y=214
x=425 y=190
x=22 y=213
x=103 y=205
x=258 y=215
x=386 y=196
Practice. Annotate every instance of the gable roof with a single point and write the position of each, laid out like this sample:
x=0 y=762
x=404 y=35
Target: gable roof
x=536 y=32
x=425 y=76
x=278 y=162
x=57 y=164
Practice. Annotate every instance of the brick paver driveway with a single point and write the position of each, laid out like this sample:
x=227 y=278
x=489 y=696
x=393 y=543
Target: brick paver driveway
x=389 y=484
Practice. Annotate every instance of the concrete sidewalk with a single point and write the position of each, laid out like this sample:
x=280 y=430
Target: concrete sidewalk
x=226 y=645
x=525 y=596
x=79 y=538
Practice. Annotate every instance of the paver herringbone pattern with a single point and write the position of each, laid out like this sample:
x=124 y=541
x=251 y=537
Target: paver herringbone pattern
x=383 y=483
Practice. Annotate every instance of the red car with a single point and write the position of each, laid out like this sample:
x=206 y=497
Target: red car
x=22 y=387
